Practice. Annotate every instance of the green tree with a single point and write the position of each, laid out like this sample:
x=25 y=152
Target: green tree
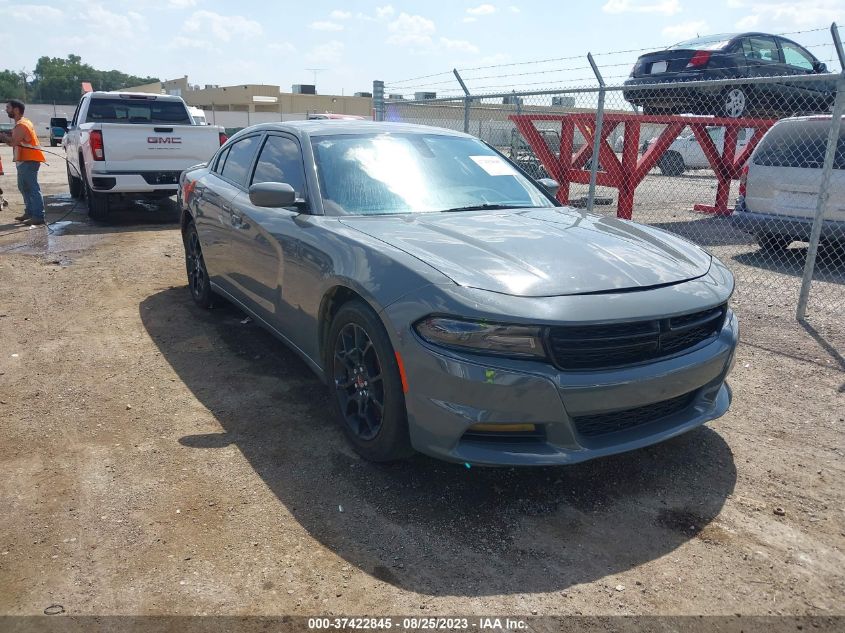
x=11 y=85
x=59 y=80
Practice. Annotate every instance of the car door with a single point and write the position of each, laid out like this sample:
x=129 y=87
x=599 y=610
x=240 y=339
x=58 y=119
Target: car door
x=762 y=59
x=804 y=96
x=263 y=239
x=215 y=193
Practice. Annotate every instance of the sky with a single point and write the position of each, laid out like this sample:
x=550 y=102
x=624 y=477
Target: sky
x=354 y=42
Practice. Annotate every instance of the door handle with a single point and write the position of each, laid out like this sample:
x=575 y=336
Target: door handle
x=237 y=220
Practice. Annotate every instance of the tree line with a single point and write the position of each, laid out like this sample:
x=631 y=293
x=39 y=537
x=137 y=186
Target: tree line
x=59 y=80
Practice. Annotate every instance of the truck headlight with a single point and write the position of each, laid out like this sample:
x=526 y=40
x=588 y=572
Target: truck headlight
x=518 y=341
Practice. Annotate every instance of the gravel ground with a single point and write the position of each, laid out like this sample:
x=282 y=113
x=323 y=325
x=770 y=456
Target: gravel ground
x=160 y=459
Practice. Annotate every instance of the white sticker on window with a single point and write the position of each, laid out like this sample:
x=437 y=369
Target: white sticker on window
x=493 y=165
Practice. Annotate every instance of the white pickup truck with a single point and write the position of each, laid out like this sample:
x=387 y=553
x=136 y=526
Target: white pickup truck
x=132 y=145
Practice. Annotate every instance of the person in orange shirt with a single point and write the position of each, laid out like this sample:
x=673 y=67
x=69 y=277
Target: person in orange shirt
x=28 y=157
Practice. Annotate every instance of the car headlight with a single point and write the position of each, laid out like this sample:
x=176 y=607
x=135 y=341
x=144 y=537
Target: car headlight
x=517 y=341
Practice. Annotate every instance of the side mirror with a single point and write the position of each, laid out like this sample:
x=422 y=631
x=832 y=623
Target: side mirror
x=550 y=184
x=819 y=67
x=272 y=195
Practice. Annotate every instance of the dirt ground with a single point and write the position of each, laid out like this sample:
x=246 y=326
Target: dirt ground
x=160 y=459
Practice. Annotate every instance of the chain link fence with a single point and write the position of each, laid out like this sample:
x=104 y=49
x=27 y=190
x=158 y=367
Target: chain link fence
x=746 y=168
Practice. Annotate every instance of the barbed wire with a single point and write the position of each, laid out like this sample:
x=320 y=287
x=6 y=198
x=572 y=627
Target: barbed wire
x=396 y=84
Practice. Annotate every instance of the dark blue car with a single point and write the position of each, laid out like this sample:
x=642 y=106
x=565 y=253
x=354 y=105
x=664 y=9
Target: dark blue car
x=731 y=56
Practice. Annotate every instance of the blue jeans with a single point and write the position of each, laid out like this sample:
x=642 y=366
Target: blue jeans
x=33 y=203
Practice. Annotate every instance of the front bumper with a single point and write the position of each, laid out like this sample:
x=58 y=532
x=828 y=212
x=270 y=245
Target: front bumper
x=450 y=393
x=788 y=226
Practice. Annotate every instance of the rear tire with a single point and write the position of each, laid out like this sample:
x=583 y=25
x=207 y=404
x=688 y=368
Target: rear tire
x=671 y=164
x=98 y=203
x=734 y=103
x=773 y=243
x=74 y=184
x=199 y=283
x=365 y=384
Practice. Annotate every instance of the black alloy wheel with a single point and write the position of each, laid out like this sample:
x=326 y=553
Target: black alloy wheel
x=198 y=282
x=366 y=385
x=358 y=381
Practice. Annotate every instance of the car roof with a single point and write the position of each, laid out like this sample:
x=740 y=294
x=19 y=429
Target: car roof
x=323 y=127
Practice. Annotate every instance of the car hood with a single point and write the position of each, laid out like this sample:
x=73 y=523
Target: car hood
x=540 y=252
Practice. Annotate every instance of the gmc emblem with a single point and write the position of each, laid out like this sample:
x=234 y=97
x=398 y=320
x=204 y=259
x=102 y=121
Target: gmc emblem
x=161 y=140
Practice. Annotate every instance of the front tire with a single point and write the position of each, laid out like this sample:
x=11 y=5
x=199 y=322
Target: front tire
x=198 y=280
x=366 y=387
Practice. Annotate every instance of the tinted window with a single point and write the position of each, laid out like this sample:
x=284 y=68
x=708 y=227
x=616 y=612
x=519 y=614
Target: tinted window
x=761 y=49
x=221 y=160
x=801 y=146
x=364 y=174
x=239 y=160
x=794 y=56
x=141 y=110
x=281 y=161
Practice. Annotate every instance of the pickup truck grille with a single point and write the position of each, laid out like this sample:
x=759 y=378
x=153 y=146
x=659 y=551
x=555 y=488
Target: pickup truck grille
x=594 y=347
x=161 y=177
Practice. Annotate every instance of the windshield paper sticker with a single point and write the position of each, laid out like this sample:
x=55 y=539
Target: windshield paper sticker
x=493 y=165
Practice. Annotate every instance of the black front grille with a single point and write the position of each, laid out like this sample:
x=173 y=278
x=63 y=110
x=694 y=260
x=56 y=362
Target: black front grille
x=590 y=347
x=494 y=437
x=161 y=177
x=603 y=423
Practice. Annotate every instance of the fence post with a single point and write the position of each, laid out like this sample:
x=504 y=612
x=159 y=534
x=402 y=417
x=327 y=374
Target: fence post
x=824 y=187
x=594 y=167
x=378 y=100
x=467 y=101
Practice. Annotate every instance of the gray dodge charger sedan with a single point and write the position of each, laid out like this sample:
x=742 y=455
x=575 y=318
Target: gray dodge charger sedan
x=450 y=303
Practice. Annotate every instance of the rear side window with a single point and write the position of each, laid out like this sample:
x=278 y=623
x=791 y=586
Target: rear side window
x=117 y=110
x=802 y=146
x=761 y=49
x=239 y=160
x=281 y=161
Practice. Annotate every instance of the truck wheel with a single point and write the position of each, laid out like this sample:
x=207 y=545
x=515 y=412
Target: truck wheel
x=671 y=164
x=98 y=203
x=74 y=184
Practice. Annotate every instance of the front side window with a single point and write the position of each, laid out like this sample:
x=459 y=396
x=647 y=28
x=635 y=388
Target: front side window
x=795 y=57
x=239 y=160
x=281 y=161
x=382 y=173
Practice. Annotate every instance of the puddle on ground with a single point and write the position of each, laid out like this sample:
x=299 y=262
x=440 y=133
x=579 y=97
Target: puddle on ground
x=37 y=240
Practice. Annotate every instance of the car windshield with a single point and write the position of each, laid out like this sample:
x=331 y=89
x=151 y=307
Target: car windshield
x=385 y=173
x=137 y=110
x=709 y=43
